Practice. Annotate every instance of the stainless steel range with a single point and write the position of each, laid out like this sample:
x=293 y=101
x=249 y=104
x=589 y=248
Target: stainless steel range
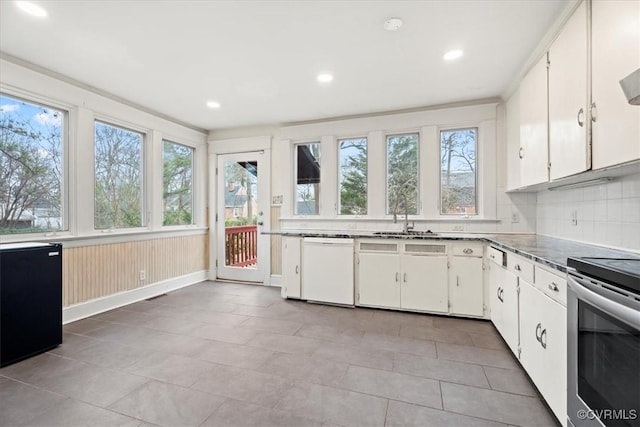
x=603 y=309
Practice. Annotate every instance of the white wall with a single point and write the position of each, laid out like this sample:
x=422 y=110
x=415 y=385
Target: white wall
x=608 y=214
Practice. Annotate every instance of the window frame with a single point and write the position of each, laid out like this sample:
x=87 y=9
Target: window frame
x=419 y=210
x=295 y=178
x=145 y=169
x=193 y=184
x=339 y=171
x=479 y=213
x=65 y=146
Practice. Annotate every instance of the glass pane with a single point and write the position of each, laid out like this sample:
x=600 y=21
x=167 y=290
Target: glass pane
x=458 y=172
x=307 y=179
x=118 y=183
x=31 y=167
x=402 y=174
x=353 y=176
x=240 y=214
x=177 y=184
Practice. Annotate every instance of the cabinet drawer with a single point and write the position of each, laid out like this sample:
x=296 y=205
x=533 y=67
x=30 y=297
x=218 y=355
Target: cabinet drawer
x=551 y=284
x=520 y=266
x=467 y=249
x=497 y=256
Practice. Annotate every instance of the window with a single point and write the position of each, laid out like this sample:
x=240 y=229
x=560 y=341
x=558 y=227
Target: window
x=118 y=177
x=177 y=187
x=353 y=176
x=458 y=172
x=402 y=174
x=32 y=168
x=307 y=179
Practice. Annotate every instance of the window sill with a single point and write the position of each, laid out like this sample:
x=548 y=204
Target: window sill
x=107 y=237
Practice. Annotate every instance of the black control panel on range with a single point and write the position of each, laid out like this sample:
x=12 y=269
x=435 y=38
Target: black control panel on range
x=621 y=272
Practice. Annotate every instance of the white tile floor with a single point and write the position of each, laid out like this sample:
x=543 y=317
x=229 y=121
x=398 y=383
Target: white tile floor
x=219 y=354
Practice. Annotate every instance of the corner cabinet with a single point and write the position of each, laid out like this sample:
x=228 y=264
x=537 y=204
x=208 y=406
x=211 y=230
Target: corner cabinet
x=291 y=267
x=569 y=121
x=615 y=53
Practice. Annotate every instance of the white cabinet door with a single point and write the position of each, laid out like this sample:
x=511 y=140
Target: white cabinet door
x=504 y=304
x=379 y=279
x=615 y=50
x=465 y=286
x=568 y=112
x=424 y=283
x=543 y=341
x=534 y=143
x=291 y=258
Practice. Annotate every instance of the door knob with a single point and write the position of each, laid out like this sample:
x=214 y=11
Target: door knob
x=260 y=223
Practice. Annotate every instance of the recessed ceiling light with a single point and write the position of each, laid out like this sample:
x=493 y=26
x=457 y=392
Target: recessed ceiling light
x=453 y=54
x=392 y=24
x=325 y=78
x=31 y=8
x=213 y=104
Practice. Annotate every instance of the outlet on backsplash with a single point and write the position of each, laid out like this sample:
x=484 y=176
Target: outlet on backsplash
x=574 y=217
x=515 y=217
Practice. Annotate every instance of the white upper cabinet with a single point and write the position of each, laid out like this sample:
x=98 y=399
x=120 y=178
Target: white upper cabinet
x=533 y=153
x=615 y=50
x=568 y=110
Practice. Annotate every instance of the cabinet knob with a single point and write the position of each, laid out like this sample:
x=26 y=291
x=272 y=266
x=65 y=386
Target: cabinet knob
x=581 y=117
x=517 y=267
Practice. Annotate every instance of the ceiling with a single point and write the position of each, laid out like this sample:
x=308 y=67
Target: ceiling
x=260 y=59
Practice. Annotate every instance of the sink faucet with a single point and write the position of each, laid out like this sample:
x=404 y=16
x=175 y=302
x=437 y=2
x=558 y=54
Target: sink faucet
x=406 y=227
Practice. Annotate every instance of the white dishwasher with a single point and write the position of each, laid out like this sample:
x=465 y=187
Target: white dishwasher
x=327 y=270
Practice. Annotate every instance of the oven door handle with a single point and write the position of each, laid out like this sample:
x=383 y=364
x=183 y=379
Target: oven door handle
x=626 y=314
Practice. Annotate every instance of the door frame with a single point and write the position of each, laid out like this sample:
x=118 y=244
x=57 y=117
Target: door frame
x=238 y=146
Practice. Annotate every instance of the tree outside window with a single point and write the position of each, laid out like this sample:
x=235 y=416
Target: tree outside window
x=177 y=188
x=31 y=167
x=307 y=179
x=458 y=171
x=118 y=177
x=402 y=174
x=353 y=176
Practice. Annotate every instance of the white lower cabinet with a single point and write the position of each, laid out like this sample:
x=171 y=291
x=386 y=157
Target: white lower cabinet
x=466 y=286
x=291 y=267
x=543 y=344
x=379 y=278
x=424 y=283
x=503 y=293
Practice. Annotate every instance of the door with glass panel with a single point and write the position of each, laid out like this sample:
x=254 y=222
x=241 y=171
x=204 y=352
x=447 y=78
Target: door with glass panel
x=242 y=215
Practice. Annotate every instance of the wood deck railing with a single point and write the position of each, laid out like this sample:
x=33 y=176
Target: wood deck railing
x=241 y=245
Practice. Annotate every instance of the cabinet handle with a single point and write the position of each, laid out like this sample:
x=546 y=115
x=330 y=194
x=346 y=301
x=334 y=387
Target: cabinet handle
x=543 y=339
x=492 y=256
x=594 y=111
x=500 y=291
x=517 y=267
x=457 y=280
x=297 y=269
x=581 y=117
x=404 y=278
x=554 y=287
x=521 y=152
x=467 y=251
x=397 y=276
x=538 y=328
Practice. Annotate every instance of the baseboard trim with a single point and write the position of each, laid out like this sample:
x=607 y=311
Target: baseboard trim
x=275 y=280
x=109 y=302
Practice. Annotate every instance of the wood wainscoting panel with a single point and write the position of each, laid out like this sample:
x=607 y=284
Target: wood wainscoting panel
x=91 y=272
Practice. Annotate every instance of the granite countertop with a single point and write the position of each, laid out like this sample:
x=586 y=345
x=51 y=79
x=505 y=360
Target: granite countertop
x=550 y=251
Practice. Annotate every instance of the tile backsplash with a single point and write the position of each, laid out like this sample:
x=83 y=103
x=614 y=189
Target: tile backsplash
x=604 y=214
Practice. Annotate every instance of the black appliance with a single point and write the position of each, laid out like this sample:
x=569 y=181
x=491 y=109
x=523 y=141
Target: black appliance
x=603 y=371
x=30 y=300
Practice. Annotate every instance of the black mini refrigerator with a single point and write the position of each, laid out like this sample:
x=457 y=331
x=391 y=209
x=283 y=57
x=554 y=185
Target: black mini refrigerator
x=30 y=300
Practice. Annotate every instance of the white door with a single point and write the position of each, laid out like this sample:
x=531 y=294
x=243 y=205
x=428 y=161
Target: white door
x=465 y=286
x=568 y=113
x=424 y=283
x=242 y=215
